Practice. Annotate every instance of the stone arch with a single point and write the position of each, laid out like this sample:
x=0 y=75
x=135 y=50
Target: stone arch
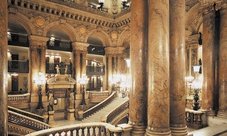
x=24 y=21
x=194 y=19
x=65 y=27
x=101 y=35
x=124 y=37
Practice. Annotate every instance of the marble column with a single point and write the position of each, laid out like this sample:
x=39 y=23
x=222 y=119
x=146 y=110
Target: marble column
x=177 y=68
x=223 y=63
x=110 y=73
x=79 y=62
x=83 y=70
x=37 y=51
x=158 y=108
x=3 y=68
x=208 y=58
x=138 y=60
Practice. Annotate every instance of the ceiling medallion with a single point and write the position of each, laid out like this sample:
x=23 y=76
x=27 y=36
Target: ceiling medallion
x=82 y=29
x=39 y=21
x=114 y=35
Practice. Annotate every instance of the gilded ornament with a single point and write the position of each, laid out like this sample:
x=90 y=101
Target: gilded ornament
x=114 y=35
x=39 y=21
x=82 y=29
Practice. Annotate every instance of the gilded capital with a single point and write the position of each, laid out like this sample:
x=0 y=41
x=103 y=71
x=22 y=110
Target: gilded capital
x=38 y=41
x=80 y=46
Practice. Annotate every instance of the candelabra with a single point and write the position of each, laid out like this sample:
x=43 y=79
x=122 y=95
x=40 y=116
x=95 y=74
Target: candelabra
x=40 y=81
x=83 y=81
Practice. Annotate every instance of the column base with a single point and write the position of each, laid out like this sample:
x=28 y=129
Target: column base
x=151 y=133
x=179 y=131
x=222 y=114
x=138 y=130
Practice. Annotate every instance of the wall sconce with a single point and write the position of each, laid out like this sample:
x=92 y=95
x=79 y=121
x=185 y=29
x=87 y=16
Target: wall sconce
x=127 y=61
x=196 y=68
x=101 y=2
x=124 y=4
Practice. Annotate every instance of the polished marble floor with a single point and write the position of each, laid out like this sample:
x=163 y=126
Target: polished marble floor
x=217 y=127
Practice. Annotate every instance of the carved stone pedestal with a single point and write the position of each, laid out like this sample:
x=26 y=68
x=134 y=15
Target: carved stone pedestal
x=71 y=114
x=196 y=119
x=51 y=121
x=126 y=129
x=81 y=114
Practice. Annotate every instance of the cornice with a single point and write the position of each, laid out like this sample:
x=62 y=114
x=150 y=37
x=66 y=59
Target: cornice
x=73 y=11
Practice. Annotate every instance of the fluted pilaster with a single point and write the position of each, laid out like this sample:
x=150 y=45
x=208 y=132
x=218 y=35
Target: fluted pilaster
x=138 y=61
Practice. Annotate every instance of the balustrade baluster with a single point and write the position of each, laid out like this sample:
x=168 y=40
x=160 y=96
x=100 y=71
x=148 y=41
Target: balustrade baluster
x=93 y=132
x=88 y=131
x=77 y=131
x=99 y=131
x=82 y=132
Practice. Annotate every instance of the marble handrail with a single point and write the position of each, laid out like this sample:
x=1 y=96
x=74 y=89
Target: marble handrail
x=25 y=121
x=99 y=106
x=88 y=129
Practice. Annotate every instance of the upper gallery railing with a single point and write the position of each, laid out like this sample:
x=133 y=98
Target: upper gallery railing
x=95 y=70
x=19 y=66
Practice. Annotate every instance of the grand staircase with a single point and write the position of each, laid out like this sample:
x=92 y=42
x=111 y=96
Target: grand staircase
x=96 y=117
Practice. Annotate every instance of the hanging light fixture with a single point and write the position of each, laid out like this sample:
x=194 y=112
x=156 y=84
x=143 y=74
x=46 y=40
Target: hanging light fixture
x=101 y=2
x=124 y=4
x=196 y=68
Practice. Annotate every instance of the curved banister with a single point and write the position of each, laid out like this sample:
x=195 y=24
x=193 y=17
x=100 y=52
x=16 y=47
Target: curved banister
x=99 y=106
x=115 y=112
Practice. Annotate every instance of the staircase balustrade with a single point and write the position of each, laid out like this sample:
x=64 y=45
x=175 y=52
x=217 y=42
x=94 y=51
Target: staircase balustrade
x=99 y=106
x=83 y=129
x=115 y=112
x=25 y=113
x=25 y=121
x=19 y=100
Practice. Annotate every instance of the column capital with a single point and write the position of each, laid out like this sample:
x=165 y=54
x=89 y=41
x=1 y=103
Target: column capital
x=80 y=46
x=37 y=41
x=114 y=50
x=193 y=39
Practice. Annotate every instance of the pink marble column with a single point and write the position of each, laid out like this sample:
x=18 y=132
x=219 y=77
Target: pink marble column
x=208 y=52
x=223 y=63
x=83 y=70
x=3 y=68
x=37 y=63
x=138 y=61
x=158 y=108
x=177 y=68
